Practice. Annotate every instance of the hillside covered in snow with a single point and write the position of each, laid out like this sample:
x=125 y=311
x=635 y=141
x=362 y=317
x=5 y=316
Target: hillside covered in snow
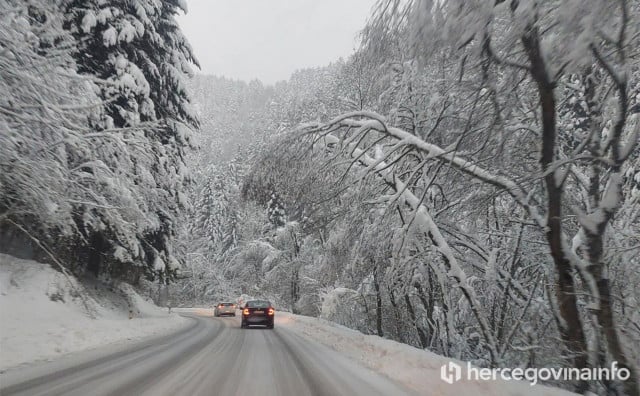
x=45 y=314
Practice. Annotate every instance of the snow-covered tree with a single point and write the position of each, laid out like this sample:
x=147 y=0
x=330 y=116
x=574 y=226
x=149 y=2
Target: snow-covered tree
x=94 y=152
x=556 y=157
x=138 y=50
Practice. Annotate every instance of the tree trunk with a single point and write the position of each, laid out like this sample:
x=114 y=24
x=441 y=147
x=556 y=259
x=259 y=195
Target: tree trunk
x=376 y=285
x=604 y=313
x=421 y=335
x=396 y=315
x=428 y=306
x=96 y=253
x=571 y=327
x=294 y=290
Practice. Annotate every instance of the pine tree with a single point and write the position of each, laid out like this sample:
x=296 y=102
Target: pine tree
x=138 y=54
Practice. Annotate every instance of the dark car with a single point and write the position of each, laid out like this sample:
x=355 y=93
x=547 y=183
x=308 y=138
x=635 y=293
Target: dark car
x=258 y=312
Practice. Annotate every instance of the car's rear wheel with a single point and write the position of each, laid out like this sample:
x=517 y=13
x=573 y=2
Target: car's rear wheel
x=270 y=326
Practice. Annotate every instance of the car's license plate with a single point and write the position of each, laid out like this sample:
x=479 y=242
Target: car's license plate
x=258 y=312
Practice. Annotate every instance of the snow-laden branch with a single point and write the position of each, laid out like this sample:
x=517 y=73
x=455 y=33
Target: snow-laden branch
x=376 y=122
x=424 y=222
x=363 y=122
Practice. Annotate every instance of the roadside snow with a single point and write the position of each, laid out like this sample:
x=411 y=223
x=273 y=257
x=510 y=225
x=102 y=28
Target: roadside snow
x=416 y=369
x=42 y=318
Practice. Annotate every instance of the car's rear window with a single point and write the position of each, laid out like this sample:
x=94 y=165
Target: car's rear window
x=227 y=304
x=258 y=304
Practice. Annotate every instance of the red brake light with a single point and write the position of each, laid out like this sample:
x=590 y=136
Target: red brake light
x=271 y=311
x=220 y=306
x=245 y=311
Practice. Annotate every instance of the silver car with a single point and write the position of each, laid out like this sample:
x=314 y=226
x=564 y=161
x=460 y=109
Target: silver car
x=225 y=308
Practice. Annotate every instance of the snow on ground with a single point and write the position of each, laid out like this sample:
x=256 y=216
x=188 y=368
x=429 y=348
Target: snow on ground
x=42 y=317
x=416 y=369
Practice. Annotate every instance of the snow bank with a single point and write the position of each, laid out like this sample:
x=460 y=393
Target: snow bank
x=42 y=317
x=414 y=368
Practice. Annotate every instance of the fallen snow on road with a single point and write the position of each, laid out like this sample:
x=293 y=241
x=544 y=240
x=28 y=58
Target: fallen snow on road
x=414 y=368
x=42 y=317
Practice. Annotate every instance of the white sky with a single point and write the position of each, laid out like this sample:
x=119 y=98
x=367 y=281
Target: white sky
x=270 y=39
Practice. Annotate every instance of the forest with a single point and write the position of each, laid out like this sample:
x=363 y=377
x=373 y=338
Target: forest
x=467 y=182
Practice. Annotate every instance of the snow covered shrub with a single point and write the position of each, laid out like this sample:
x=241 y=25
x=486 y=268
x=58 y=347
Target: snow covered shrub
x=344 y=306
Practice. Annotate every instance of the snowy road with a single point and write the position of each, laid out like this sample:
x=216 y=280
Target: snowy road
x=212 y=356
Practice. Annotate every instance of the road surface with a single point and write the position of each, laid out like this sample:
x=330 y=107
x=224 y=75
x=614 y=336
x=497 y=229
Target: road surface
x=212 y=356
